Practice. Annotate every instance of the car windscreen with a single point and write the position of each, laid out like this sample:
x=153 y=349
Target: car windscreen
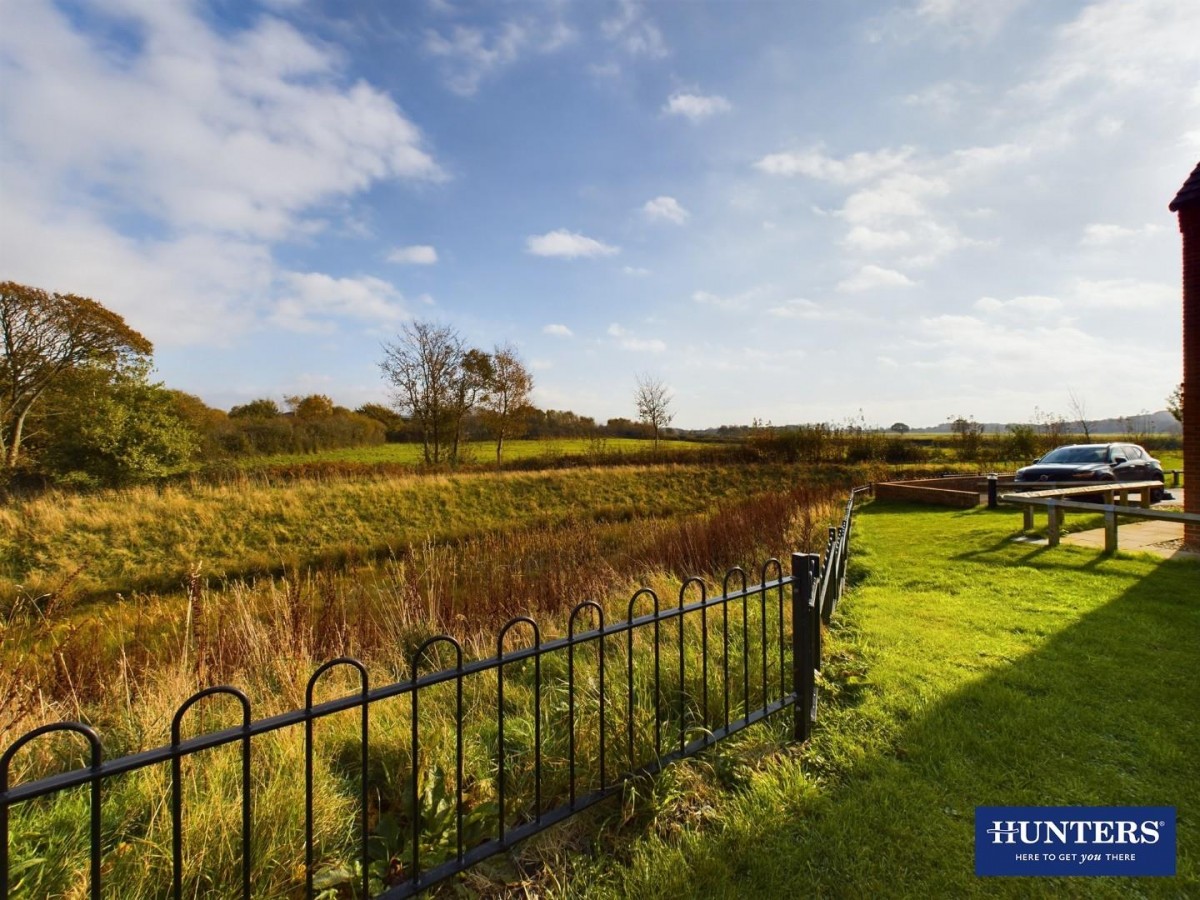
x=1076 y=455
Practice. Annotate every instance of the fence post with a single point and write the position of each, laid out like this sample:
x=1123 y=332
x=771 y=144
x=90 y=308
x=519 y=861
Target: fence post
x=992 y=482
x=815 y=621
x=803 y=681
x=1053 y=522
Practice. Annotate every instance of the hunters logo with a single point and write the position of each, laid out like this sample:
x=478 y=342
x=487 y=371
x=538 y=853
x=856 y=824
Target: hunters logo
x=1063 y=831
x=1074 y=840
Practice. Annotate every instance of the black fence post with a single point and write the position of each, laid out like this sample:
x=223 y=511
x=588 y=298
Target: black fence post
x=803 y=680
x=993 y=503
x=814 y=615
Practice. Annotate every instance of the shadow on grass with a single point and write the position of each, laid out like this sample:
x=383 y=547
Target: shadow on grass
x=1101 y=711
x=1104 y=712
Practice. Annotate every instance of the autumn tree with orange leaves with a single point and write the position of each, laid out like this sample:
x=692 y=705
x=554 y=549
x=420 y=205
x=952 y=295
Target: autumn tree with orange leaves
x=46 y=335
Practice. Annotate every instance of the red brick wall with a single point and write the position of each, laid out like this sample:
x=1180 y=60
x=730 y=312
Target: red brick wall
x=921 y=492
x=1189 y=226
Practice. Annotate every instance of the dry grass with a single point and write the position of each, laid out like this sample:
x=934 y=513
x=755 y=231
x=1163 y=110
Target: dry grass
x=152 y=540
x=98 y=660
x=126 y=666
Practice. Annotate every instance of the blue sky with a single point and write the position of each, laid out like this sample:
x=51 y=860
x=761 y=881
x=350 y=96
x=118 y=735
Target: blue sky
x=792 y=211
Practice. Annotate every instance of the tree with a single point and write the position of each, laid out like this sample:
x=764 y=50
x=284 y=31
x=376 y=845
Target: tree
x=423 y=366
x=46 y=335
x=262 y=408
x=653 y=404
x=969 y=435
x=1022 y=443
x=111 y=426
x=1052 y=429
x=507 y=396
x=472 y=381
x=312 y=408
x=388 y=418
x=1175 y=403
x=208 y=423
x=1079 y=408
x=900 y=428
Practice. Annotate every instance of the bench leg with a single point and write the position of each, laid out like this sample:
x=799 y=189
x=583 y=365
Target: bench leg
x=1110 y=531
x=1028 y=524
x=1053 y=522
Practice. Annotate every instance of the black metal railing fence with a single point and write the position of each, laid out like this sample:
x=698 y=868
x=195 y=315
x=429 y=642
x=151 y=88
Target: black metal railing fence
x=575 y=718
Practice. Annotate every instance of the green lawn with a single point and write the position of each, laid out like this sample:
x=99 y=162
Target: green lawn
x=964 y=670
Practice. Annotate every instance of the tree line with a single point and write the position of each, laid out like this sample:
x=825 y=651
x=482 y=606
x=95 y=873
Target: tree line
x=79 y=406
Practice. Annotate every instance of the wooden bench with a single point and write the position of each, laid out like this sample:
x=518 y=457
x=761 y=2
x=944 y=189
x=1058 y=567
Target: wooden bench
x=1056 y=506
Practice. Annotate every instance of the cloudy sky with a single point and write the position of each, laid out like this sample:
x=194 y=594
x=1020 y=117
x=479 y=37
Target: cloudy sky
x=786 y=210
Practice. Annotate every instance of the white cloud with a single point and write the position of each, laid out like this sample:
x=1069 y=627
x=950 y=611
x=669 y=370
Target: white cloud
x=557 y=330
x=643 y=345
x=635 y=271
x=696 y=107
x=856 y=168
x=798 y=308
x=416 y=255
x=567 y=245
x=967 y=21
x=898 y=204
x=633 y=32
x=943 y=98
x=217 y=144
x=635 y=344
x=997 y=357
x=244 y=132
x=1032 y=305
x=1117 y=45
x=1099 y=234
x=900 y=195
x=1123 y=294
x=870 y=240
x=732 y=302
x=872 y=277
x=665 y=209
x=198 y=288
x=472 y=54
x=309 y=299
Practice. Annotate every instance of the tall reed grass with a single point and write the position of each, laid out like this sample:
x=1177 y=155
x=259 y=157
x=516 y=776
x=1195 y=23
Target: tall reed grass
x=126 y=673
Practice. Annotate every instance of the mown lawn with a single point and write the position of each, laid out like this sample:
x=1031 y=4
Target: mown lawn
x=964 y=670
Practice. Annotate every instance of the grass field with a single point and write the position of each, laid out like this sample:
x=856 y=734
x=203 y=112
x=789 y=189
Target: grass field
x=965 y=670
x=474 y=452
x=148 y=539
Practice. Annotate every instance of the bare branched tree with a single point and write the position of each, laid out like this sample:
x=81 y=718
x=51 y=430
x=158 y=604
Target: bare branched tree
x=507 y=397
x=653 y=404
x=1078 y=407
x=423 y=364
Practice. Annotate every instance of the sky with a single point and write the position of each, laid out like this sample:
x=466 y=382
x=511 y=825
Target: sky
x=796 y=211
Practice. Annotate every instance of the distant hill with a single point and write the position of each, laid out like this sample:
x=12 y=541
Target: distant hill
x=1161 y=422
